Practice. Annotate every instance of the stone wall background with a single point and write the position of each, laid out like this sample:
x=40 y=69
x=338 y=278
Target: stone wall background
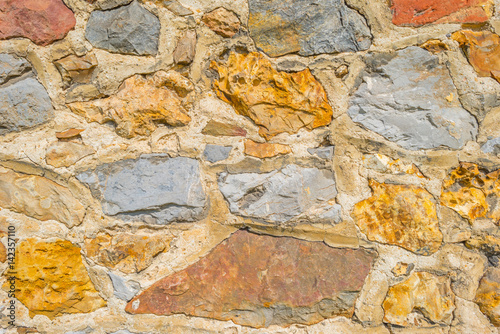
x=250 y=166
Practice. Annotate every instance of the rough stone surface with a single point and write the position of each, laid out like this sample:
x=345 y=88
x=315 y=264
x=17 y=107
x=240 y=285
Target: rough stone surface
x=307 y=27
x=39 y=197
x=280 y=196
x=265 y=150
x=70 y=133
x=125 y=290
x=65 y=154
x=488 y=295
x=76 y=69
x=222 y=21
x=129 y=253
x=402 y=215
x=322 y=152
x=141 y=103
x=417 y=13
x=491 y=146
x=153 y=188
x=186 y=47
x=12 y=67
x=214 y=128
x=260 y=281
x=250 y=84
x=214 y=153
x=431 y=295
x=416 y=111
x=176 y=8
x=129 y=29
x=52 y=279
x=43 y=22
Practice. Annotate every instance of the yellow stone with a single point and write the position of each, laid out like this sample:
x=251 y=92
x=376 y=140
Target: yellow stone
x=265 y=150
x=488 y=295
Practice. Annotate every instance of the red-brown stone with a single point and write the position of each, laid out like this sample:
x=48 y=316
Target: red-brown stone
x=43 y=22
x=258 y=281
x=420 y=12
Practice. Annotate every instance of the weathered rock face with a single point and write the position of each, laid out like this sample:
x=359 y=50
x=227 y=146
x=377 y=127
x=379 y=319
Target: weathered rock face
x=175 y=7
x=422 y=291
x=65 y=153
x=52 y=280
x=488 y=295
x=259 y=281
x=276 y=101
x=483 y=51
x=141 y=103
x=417 y=13
x=396 y=100
x=24 y=102
x=43 y=22
x=214 y=153
x=75 y=69
x=129 y=29
x=214 y=128
x=473 y=192
x=124 y=290
x=39 y=197
x=280 y=196
x=153 y=188
x=129 y=253
x=265 y=150
x=307 y=27
x=402 y=215
x=186 y=47
x=222 y=21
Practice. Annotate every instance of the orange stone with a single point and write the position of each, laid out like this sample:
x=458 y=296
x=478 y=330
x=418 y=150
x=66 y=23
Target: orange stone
x=276 y=101
x=222 y=21
x=265 y=150
x=70 y=133
x=488 y=295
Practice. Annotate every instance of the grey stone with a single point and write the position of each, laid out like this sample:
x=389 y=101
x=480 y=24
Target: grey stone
x=176 y=8
x=153 y=188
x=409 y=98
x=129 y=29
x=11 y=67
x=125 y=290
x=308 y=27
x=280 y=195
x=87 y=330
x=214 y=153
x=492 y=146
x=322 y=152
x=109 y=4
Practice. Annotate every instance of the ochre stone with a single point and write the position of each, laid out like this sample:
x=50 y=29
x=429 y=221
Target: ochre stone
x=43 y=22
x=75 y=69
x=419 y=12
x=258 y=281
x=472 y=192
x=70 y=133
x=489 y=244
x=214 y=128
x=39 y=197
x=222 y=21
x=65 y=153
x=52 y=279
x=129 y=253
x=488 y=295
x=141 y=103
x=483 y=51
x=422 y=291
x=3 y=253
x=265 y=150
x=402 y=215
x=434 y=46
x=276 y=101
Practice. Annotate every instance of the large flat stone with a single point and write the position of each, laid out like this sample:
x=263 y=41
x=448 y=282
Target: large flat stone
x=129 y=29
x=259 y=281
x=409 y=98
x=153 y=188
x=307 y=27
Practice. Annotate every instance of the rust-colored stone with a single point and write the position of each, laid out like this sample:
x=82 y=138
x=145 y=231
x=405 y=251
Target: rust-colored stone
x=129 y=253
x=222 y=21
x=43 y=22
x=258 y=281
x=265 y=150
x=70 y=133
x=76 y=69
x=434 y=46
x=488 y=295
x=276 y=101
x=472 y=191
x=214 y=128
x=483 y=51
x=419 y=12
x=428 y=293
x=402 y=215
x=51 y=279
x=3 y=253
x=141 y=103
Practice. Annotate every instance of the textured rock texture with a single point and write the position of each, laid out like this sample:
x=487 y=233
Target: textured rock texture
x=396 y=101
x=65 y=154
x=241 y=280
x=222 y=21
x=52 y=279
x=186 y=48
x=214 y=128
x=276 y=101
x=153 y=188
x=265 y=150
x=214 y=153
x=75 y=69
x=488 y=295
x=307 y=27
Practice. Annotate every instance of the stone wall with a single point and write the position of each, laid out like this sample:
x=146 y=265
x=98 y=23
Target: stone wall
x=250 y=166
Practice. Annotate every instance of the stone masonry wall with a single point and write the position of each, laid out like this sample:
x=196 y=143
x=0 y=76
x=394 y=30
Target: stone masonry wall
x=249 y=166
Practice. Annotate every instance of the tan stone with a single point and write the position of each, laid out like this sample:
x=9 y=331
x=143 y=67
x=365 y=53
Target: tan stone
x=469 y=319
x=141 y=103
x=70 y=133
x=126 y=252
x=83 y=92
x=186 y=47
x=39 y=197
x=222 y=21
x=488 y=295
x=52 y=280
x=428 y=293
x=76 y=69
x=402 y=215
x=265 y=150
x=276 y=101
x=214 y=128
x=454 y=227
x=65 y=154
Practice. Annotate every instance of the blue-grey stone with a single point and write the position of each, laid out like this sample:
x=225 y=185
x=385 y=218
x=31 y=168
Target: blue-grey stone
x=322 y=152
x=153 y=188
x=491 y=146
x=281 y=195
x=129 y=29
x=307 y=27
x=11 y=67
x=214 y=153
x=125 y=290
x=409 y=98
